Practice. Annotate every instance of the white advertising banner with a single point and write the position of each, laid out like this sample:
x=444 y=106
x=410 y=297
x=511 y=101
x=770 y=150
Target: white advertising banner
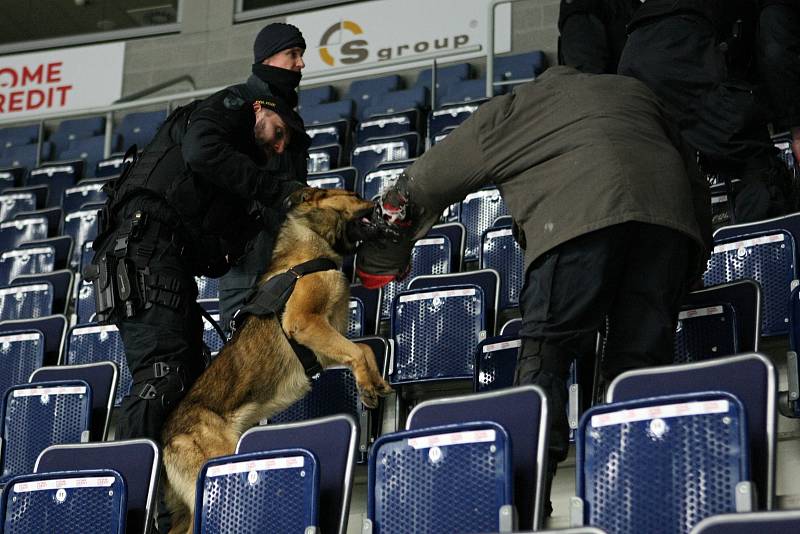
x=382 y=31
x=68 y=79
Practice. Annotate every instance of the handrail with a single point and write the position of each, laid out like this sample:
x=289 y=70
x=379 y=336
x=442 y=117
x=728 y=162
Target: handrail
x=490 y=83
x=156 y=88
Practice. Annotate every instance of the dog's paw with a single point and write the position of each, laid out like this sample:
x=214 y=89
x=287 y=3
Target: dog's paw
x=370 y=395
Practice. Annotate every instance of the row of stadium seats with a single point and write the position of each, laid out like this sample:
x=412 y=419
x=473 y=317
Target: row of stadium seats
x=682 y=449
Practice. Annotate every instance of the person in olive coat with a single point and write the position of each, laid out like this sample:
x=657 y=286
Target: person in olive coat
x=607 y=202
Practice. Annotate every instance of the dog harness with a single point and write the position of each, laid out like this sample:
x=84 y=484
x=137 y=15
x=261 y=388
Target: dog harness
x=270 y=298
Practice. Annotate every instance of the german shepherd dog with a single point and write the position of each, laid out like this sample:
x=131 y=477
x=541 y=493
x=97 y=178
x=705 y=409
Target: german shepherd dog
x=257 y=374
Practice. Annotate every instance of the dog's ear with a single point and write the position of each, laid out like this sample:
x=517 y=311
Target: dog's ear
x=304 y=194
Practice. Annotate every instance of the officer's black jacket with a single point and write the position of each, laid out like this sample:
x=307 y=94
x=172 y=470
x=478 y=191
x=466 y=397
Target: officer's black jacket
x=213 y=182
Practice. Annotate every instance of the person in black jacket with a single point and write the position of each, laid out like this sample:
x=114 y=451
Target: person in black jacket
x=278 y=62
x=593 y=33
x=697 y=56
x=187 y=207
x=778 y=63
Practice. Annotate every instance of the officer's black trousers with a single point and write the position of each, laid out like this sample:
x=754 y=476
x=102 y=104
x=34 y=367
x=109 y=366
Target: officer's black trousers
x=172 y=335
x=635 y=274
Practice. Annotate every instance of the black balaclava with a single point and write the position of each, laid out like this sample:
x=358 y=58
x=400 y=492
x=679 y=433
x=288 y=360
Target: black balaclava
x=270 y=40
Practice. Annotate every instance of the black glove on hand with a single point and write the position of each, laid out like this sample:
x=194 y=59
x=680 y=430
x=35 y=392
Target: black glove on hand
x=380 y=262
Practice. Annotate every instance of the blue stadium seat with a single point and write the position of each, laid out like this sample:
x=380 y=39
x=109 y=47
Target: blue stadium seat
x=436 y=332
x=365 y=92
x=60 y=281
x=210 y=335
x=334 y=391
x=718 y=321
x=53 y=216
x=519 y=66
x=378 y=150
x=376 y=126
x=522 y=412
x=52 y=327
x=267 y=491
x=355 y=318
x=315 y=96
x=81 y=226
x=478 y=213
x=13 y=202
x=139 y=128
x=57 y=177
x=26 y=301
x=662 y=464
x=18 y=231
x=769 y=257
x=90 y=150
x=41 y=414
x=431 y=255
x=371 y=300
x=327 y=113
x=21 y=353
x=26 y=260
x=448 y=117
x=445 y=76
x=39 y=193
x=778 y=522
x=25 y=155
x=393 y=102
x=452 y=478
x=487 y=279
x=11 y=177
x=465 y=91
x=501 y=252
x=102 y=379
x=138 y=460
x=110 y=166
x=372 y=184
x=750 y=377
x=336 y=132
x=328 y=180
x=72 y=501
x=73 y=129
x=333 y=441
x=100 y=343
x=18 y=135
x=784 y=146
x=324 y=158
x=495 y=362
x=456 y=234
x=85 y=192
x=207 y=288
x=61 y=245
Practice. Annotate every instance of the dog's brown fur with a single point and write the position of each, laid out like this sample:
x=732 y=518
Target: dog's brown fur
x=257 y=374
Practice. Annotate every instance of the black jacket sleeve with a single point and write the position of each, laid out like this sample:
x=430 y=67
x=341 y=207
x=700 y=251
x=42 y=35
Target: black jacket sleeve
x=212 y=147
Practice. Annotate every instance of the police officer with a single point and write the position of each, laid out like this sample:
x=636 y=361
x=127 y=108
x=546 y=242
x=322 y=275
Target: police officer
x=593 y=33
x=696 y=55
x=637 y=230
x=187 y=207
x=778 y=62
x=277 y=61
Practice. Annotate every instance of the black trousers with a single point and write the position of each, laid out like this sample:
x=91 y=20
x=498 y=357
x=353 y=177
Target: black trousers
x=167 y=331
x=635 y=274
x=723 y=118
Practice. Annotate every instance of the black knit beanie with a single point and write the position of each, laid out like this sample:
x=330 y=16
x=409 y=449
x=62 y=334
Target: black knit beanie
x=276 y=37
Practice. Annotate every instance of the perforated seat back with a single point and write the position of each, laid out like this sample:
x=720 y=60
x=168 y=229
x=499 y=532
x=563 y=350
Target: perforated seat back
x=452 y=478
x=706 y=332
x=71 y=502
x=97 y=343
x=38 y=415
x=28 y=260
x=271 y=491
x=768 y=258
x=26 y=301
x=478 y=212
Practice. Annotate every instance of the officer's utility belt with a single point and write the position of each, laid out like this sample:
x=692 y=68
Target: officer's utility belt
x=121 y=275
x=270 y=300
